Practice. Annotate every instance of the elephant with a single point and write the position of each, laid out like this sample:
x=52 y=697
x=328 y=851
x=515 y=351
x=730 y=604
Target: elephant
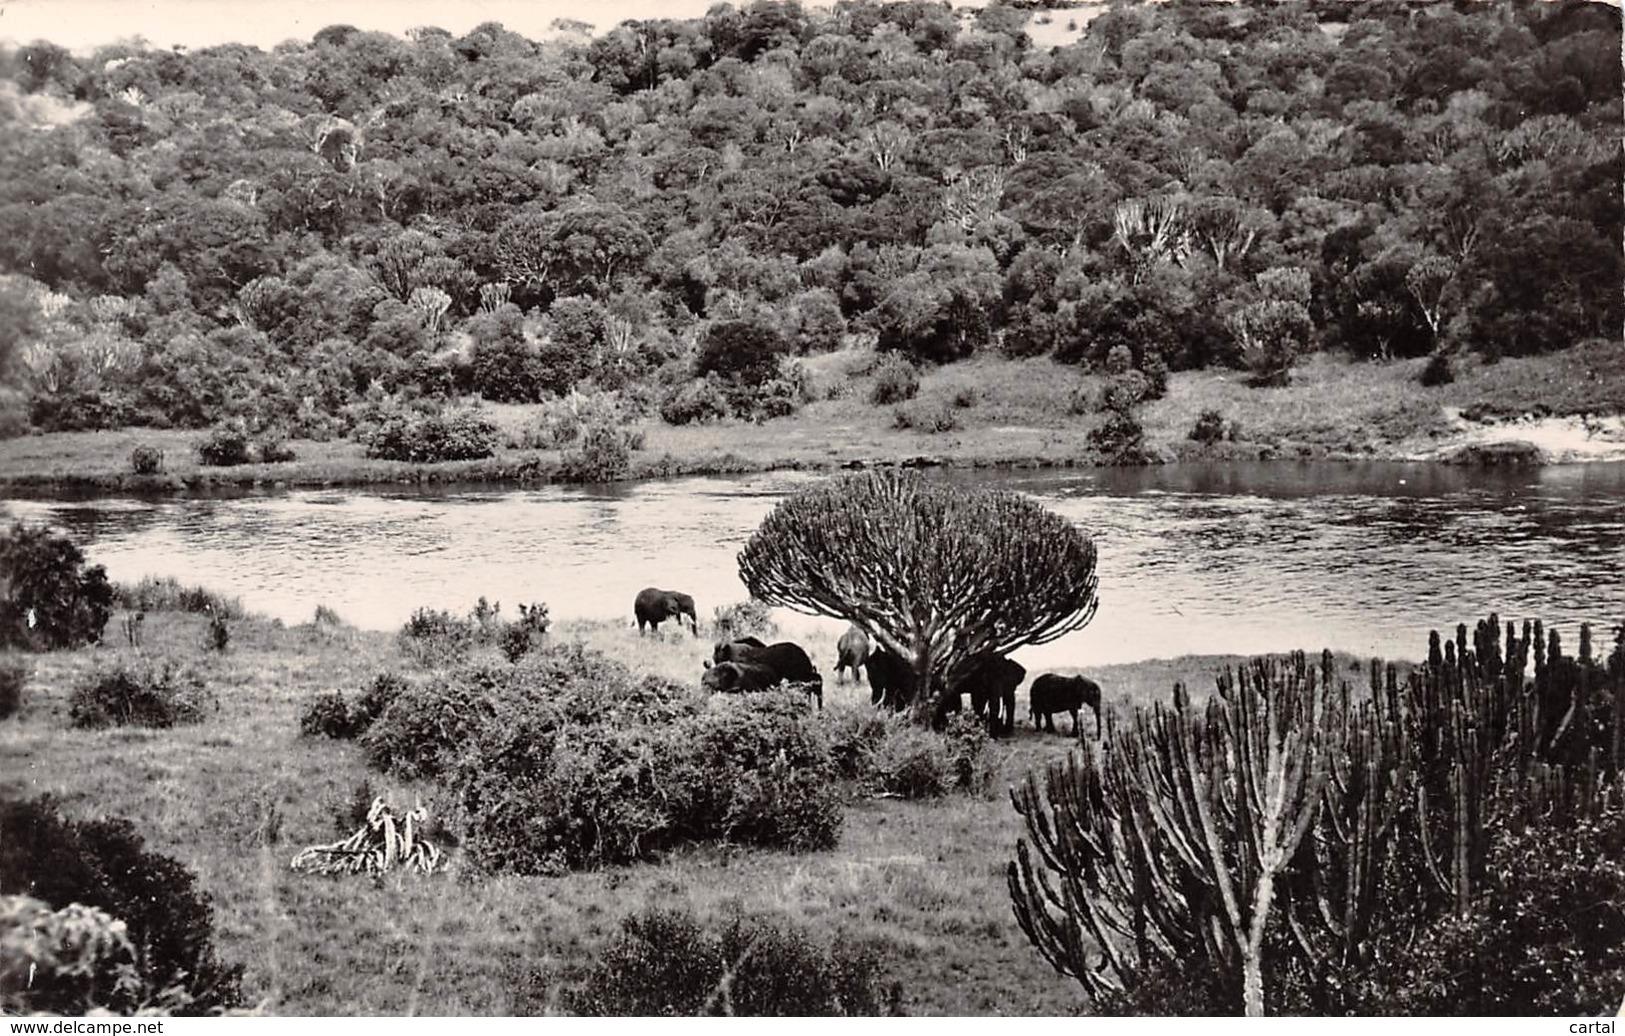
x=892 y=685
x=891 y=679
x=786 y=658
x=739 y=677
x=853 y=651
x=652 y=607
x=1051 y=693
x=991 y=681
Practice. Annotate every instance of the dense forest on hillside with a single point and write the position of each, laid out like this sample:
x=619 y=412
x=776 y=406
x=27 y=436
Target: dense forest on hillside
x=677 y=209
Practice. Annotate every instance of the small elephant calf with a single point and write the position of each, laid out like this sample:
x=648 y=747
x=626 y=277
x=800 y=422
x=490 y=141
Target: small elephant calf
x=1052 y=693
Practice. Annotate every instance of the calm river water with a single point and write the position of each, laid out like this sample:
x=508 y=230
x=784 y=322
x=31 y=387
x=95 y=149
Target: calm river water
x=1193 y=558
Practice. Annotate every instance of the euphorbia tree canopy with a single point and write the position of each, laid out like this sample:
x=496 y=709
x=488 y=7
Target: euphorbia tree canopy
x=932 y=570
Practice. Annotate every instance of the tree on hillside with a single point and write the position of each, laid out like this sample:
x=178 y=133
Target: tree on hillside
x=934 y=572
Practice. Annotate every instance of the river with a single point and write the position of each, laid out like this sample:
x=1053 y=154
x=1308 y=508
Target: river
x=1194 y=558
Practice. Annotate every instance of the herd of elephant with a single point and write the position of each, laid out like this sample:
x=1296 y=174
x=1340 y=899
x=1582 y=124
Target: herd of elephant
x=990 y=680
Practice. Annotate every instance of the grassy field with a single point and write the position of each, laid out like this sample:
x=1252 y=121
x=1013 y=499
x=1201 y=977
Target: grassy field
x=1006 y=412
x=233 y=798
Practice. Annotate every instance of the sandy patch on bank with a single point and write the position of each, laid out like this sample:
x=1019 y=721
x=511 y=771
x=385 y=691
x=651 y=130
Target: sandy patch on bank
x=1561 y=440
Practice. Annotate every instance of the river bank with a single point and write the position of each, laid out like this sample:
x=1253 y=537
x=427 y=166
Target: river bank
x=1562 y=408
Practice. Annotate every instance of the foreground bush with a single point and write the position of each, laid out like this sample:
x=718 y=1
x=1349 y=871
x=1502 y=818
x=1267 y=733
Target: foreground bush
x=887 y=754
x=51 y=600
x=103 y=864
x=140 y=694
x=71 y=961
x=667 y=964
x=566 y=760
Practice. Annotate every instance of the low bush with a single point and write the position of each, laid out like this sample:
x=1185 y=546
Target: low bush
x=275 y=450
x=13 y=674
x=930 y=416
x=103 y=864
x=695 y=402
x=425 y=725
x=76 y=960
x=49 y=599
x=429 y=438
x=750 y=618
x=332 y=715
x=895 y=380
x=1208 y=429
x=1437 y=371
x=147 y=460
x=529 y=632
x=559 y=422
x=153 y=594
x=1120 y=438
x=225 y=446
x=911 y=762
x=605 y=454
x=778 y=397
x=436 y=638
x=667 y=964
x=141 y=694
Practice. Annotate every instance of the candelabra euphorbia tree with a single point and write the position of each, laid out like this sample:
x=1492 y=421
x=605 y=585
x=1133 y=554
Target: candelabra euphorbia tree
x=933 y=571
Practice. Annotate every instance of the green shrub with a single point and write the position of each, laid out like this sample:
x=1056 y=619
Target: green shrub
x=103 y=864
x=667 y=964
x=51 y=600
x=141 y=694
x=436 y=638
x=13 y=674
x=910 y=762
x=695 y=402
x=1120 y=438
x=146 y=460
x=755 y=770
x=424 y=726
x=1208 y=429
x=778 y=397
x=964 y=397
x=332 y=715
x=605 y=454
x=226 y=446
x=76 y=960
x=931 y=416
x=559 y=422
x=1546 y=938
x=153 y=594
x=1437 y=371
x=750 y=618
x=429 y=438
x=519 y=638
x=275 y=450
x=895 y=380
